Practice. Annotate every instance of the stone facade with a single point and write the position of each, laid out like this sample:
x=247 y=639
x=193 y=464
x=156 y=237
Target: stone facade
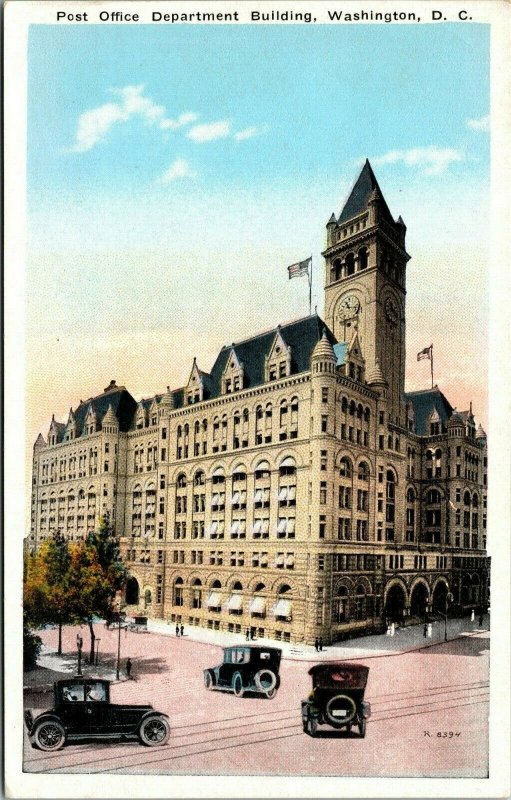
x=295 y=490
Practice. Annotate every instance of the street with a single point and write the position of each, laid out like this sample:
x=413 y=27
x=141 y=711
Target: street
x=429 y=712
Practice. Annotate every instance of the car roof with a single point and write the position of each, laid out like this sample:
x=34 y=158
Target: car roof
x=254 y=648
x=80 y=679
x=334 y=666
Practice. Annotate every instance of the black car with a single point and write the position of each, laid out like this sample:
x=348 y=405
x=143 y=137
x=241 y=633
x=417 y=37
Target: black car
x=337 y=698
x=246 y=669
x=82 y=710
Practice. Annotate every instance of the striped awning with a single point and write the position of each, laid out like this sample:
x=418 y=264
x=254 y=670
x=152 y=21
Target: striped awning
x=258 y=605
x=235 y=602
x=282 y=608
x=214 y=600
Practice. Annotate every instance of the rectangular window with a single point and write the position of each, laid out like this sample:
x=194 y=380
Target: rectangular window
x=324 y=423
x=322 y=526
x=324 y=394
x=322 y=493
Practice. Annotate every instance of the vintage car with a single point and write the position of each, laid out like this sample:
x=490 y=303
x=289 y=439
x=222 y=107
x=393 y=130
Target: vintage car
x=246 y=668
x=82 y=710
x=138 y=624
x=337 y=698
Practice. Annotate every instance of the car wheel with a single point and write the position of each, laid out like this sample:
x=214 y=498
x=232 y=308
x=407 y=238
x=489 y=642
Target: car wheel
x=312 y=726
x=237 y=685
x=271 y=693
x=49 y=735
x=209 y=680
x=362 y=727
x=154 y=731
x=265 y=680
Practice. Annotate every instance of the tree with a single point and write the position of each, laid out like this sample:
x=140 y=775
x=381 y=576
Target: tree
x=95 y=574
x=45 y=589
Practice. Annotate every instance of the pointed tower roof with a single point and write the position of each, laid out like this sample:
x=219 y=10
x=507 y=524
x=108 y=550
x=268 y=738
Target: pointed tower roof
x=366 y=189
x=375 y=375
x=110 y=418
x=167 y=400
x=323 y=349
x=40 y=441
x=480 y=433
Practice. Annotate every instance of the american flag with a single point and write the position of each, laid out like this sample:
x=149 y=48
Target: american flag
x=426 y=353
x=300 y=268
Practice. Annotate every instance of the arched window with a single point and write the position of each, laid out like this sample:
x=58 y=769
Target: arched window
x=340 y=605
x=181 y=481
x=360 y=602
x=350 y=264
x=362 y=258
x=345 y=468
x=433 y=497
x=363 y=471
x=390 y=507
x=197 y=593
x=410 y=514
x=178 y=592
x=148 y=598
x=199 y=478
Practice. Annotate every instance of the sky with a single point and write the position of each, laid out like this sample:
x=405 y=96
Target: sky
x=174 y=172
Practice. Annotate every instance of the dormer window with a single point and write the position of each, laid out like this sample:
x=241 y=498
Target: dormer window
x=233 y=374
x=278 y=360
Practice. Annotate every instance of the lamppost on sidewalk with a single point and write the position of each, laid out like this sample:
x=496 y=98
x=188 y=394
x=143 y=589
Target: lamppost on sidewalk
x=79 y=644
x=448 y=599
x=118 y=670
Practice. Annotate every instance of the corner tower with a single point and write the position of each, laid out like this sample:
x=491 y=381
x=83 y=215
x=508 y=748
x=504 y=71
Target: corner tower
x=365 y=283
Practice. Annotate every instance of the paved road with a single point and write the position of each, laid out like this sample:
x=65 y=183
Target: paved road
x=430 y=710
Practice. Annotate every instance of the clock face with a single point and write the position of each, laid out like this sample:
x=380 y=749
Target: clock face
x=349 y=307
x=391 y=310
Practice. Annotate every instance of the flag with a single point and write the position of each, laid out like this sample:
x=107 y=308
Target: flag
x=299 y=269
x=426 y=353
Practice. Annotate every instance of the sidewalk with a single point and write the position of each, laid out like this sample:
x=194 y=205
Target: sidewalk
x=404 y=640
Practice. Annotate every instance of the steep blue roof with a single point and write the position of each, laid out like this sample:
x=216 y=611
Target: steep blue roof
x=424 y=402
x=358 y=199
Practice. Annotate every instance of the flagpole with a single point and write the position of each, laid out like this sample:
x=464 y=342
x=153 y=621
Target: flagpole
x=310 y=289
x=431 y=349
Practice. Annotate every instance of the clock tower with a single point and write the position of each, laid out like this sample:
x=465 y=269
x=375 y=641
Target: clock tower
x=365 y=283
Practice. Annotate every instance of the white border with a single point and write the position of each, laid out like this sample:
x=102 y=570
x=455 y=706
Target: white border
x=18 y=15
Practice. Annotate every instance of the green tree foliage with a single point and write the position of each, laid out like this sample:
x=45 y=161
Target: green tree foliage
x=73 y=582
x=95 y=574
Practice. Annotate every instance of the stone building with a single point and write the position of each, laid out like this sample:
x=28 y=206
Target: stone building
x=294 y=490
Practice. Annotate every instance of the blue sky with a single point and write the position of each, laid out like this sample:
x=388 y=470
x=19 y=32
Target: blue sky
x=175 y=171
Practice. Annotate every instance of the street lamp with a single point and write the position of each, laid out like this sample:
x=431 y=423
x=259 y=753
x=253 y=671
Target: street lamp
x=79 y=645
x=97 y=651
x=119 y=644
x=448 y=599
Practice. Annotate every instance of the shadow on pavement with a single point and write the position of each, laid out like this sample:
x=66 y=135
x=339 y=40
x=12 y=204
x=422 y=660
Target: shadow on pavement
x=471 y=646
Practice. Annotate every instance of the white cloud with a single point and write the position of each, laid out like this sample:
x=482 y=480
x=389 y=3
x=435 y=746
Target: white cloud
x=481 y=124
x=179 y=169
x=210 y=131
x=94 y=125
x=180 y=122
x=433 y=160
x=248 y=133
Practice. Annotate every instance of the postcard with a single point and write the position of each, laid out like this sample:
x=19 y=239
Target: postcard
x=257 y=378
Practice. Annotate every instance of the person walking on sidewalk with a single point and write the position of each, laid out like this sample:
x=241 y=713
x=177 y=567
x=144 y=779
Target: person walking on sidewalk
x=128 y=667
x=425 y=632
x=182 y=630
x=316 y=645
x=247 y=634
x=473 y=616
x=392 y=628
x=480 y=620
x=430 y=630
x=177 y=630
x=320 y=645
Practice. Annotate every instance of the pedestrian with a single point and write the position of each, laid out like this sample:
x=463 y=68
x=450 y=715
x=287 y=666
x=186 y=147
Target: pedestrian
x=472 y=616
x=177 y=630
x=316 y=645
x=320 y=645
x=128 y=667
x=252 y=635
x=247 y=634
x=392 y=628
x=430 y=630
x=388 y=629
x=480 y=620
x=182 y=630
x=425 y=633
